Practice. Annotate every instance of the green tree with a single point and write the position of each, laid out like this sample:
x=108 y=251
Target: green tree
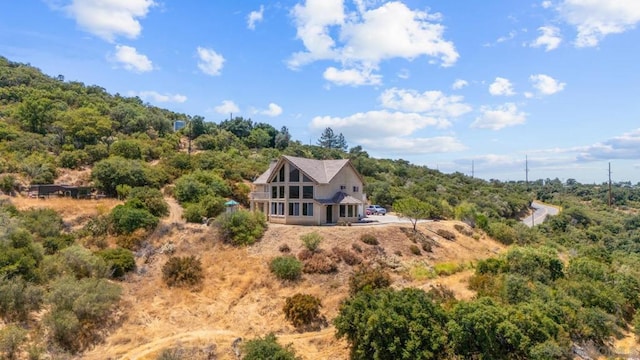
x=413 y=209
x=387 y=324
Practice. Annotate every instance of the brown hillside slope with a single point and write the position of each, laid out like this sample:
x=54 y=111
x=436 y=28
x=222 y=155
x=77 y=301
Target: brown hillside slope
x=241 y=298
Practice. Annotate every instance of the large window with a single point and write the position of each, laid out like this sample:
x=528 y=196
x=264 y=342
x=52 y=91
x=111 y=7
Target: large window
x=351 y=210
x=294 y=192
x=294 y=209
x=294 y=175
x=307 y=209
x=281 y=192
x=281 y=175
x=274 y=192
x=307 y=192
x=305 y=178
x=277 y=208
x=343 y=210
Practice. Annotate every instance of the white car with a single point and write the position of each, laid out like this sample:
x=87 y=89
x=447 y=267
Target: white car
x=375 y=210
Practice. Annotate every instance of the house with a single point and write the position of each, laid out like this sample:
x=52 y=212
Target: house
x=309 y=192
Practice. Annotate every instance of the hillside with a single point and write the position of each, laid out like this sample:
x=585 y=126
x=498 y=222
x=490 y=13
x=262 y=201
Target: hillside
x=241 y=298
x=84 y=278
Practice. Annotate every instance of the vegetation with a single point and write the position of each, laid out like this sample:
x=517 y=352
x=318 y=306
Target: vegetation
x=183 y=271
x=302 y=309
x=311 y=241
x=286 y=267
x=571 y=280
x=241 y=227
x=267 y=348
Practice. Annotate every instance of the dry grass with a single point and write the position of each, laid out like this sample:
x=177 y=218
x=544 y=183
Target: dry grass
x=240 y=297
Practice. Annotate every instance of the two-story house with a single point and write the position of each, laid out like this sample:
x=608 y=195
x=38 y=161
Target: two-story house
x=309 y=192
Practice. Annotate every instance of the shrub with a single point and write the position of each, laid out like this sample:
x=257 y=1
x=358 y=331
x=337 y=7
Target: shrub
x=241 y=227
x=11 y=338
x=284 y=248
x=77 y=261
x=319 y=264
x=448 y=235
x=357 y=248
x=302 y=309
x=464 y=230
x=78 y=307
x=131 y=241
x=311 y=241
x=415 y=250
x=369 y=239
x=151 y=200
x=304 y=254
x=120 y=261
x=286 y=267
x=52 y=245
x=448 y=268
x=193 y=213
x=387 y=324
x=183 y=271
x=42 y=222
x=502 y=233
x=636 y=326
x=126 y=219
x=348 y=256
x=18 y=298
x=267 y=348
x=8 y=184
x=368 y=279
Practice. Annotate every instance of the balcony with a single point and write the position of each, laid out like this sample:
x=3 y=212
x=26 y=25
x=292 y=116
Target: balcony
x=255 y=195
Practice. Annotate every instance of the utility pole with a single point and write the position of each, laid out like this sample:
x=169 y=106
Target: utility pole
x=473 y=170
x=190 y=136
x=610 y=196
x=526 y=170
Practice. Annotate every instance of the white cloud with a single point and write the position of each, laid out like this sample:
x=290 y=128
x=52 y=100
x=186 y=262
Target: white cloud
x=154 y=96
x=381 y=123
x=499 y=117
x=210 y=61
x=255 y=17
x=549 y=38
x=501 y=87
x=547 y=4
x=595 y=19
x=227 y=107
x=363 y=39
x=546 y=85
x=432 y=103
x=459 y=84
x=351 y=77
x=407 y=146
x=273 y=110
x=108 y=19
x=131 y=60
x=626 y=146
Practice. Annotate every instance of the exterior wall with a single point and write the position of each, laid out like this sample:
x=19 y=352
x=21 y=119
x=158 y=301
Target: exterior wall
x=346 y=177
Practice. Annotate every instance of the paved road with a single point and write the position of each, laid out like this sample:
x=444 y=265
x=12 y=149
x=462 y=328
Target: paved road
x=540 y=214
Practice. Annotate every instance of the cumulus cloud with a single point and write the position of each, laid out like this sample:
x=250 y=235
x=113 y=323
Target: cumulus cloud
x=129 y=58
x=546 y=85
x=366 y=37
x=273 y=110
x=549 y=38
x=412 y=146
x=154 y=96
x=432 y=103
x=596 y=19
x=108 y=19
x=501 y=87
x=496 y=118
x=383 y=122
x=459 y=84
x=227 y=107
x=626 y=146
x=351 y=77
x=547 y=4
x=210 y=61
x=255 y=17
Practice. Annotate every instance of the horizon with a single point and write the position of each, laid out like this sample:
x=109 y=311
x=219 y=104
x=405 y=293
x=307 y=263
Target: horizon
x=436 y=84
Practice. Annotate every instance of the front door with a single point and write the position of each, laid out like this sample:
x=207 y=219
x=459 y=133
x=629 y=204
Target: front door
x=329 y=214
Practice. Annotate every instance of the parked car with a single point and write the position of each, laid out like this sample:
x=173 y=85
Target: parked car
x=375 y=210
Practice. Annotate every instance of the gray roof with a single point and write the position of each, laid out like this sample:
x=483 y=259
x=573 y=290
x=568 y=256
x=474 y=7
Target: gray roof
x=340 y=198
x=320 y=171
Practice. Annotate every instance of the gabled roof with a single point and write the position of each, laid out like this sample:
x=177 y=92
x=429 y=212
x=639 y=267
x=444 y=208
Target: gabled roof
x=319 y=171
x=340 y=198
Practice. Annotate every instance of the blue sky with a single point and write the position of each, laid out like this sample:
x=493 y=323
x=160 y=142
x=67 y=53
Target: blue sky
x=438 y=83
